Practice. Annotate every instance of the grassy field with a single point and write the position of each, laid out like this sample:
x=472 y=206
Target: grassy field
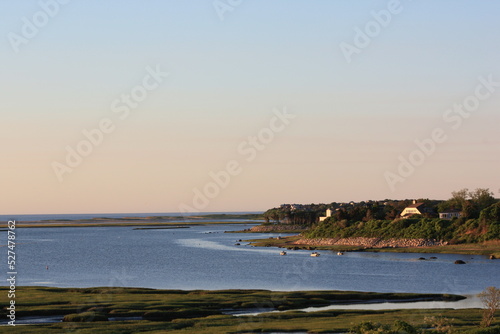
x=178 y=311
x=486 y=248
x=459 y=321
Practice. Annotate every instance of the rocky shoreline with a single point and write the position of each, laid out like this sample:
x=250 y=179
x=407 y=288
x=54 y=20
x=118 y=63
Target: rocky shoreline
x=276 y=228
x=370 y=242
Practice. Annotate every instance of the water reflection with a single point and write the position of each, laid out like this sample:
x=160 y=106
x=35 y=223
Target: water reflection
x=472 y=301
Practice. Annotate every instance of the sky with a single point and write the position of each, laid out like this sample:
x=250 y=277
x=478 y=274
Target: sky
x=231 y=105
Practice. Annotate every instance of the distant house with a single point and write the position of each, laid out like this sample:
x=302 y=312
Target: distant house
x=328 y=214
x=293 y=207
x=415 y=209
x=450 y=214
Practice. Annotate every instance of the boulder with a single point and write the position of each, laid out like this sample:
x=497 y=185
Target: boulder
x=459 y=262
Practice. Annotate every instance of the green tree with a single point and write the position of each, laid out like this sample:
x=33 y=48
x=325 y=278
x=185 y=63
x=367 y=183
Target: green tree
x=491 y=214
x=391 y=213
x=459 y=198
x=369 y=215
x=470 y=210
x=469 y=202
x=444 y=205
x=482 y=198
x=341 y=214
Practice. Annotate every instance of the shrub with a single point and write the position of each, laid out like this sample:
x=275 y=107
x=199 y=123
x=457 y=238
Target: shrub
x=369 y=327
x=85 y=317
x=404 y=327
x=490 y=298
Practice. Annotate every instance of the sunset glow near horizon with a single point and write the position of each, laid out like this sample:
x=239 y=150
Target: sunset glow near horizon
x=210 y=106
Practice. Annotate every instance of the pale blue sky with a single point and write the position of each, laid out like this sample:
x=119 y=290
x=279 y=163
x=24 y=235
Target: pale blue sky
x=352 y=121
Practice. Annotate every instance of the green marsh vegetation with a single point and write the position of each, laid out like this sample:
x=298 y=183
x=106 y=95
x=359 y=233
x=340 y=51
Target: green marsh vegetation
x=176 y=311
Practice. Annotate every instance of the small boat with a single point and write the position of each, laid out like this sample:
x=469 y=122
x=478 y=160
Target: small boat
x=282 y=253
x=315 y=254
x=340 y=253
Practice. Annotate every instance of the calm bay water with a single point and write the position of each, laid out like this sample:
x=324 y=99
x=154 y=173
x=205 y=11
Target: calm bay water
x=204 y=257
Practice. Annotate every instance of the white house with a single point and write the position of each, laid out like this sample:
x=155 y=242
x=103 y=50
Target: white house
x=328 y=214
x=450 y=214
x=414 y=209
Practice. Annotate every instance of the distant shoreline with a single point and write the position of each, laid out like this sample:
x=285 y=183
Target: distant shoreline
x=158 y=221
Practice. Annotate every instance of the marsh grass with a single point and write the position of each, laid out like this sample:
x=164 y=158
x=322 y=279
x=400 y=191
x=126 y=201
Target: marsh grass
x=200 y=311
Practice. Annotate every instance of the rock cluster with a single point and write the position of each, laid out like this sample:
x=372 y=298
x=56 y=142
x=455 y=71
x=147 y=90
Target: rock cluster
x=371 y=242
x=276 y=228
